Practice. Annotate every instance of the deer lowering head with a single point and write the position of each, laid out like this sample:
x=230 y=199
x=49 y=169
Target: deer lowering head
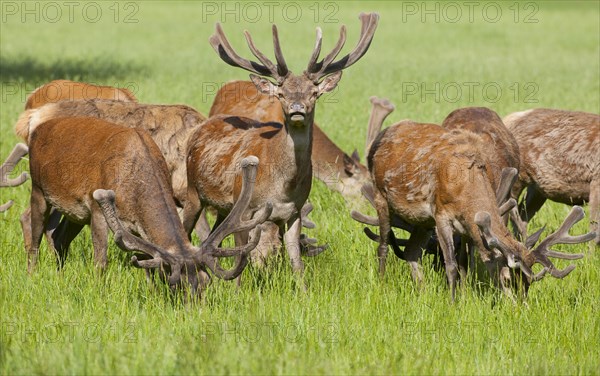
x=434 y=179
x=89 y=180
x=18 y=152
x=297 y=93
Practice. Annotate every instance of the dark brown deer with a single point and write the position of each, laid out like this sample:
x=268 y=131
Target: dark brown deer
x=18 y=152
x=60 y=90
x=284 y=149
x=339 y=171
x=433 y=178
x=84 y=167
x=560 y=160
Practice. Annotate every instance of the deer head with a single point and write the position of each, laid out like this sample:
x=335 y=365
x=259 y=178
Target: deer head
x=200 y=258
x=297 y=93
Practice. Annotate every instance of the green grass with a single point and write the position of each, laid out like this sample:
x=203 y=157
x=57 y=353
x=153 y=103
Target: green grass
x=348 y=322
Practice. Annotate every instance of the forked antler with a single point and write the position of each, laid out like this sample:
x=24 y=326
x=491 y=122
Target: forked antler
x=561 y=236
x=18 y=152
x=541 y=253
x=307 y=245
x=267 y=68
x=208 y=254
x=317 y=70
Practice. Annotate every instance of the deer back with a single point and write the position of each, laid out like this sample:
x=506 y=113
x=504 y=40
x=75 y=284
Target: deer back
x=72 y=157
x=504 y=150
x=424 y=171
x=560 y=151
x=59 y=90
x=170 y=126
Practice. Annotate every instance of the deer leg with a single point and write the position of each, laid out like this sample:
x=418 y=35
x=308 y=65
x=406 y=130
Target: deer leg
x=54 y=221
x=25 y=220
x=383 y=214
x=413 y=252
x=62 y=237
x=291 y=239
x=595 y=208
x=445 y=237
x=534 y=199
x=191 y=211
x=39 y=215
x=464 y=248
x=202 y=227
x=99 y=229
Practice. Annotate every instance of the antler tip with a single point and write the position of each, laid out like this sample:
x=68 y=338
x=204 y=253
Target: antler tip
x=250 y=160
x=103 y=194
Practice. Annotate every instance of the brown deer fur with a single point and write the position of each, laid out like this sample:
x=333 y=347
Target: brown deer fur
x=560 y=159
x=339 y=171
x=434 y=178
x=59 y=90
x=169 y=126
x=285 y=149
x=72 y=158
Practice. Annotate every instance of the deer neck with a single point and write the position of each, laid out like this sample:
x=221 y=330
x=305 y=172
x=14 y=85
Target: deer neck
x=299 y=138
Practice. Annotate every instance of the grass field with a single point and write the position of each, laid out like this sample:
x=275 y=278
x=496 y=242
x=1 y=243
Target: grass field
x=428 y=59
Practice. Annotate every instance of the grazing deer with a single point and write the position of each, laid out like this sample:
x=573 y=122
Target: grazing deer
x=502 y=167
x=284 y=149
x=59 y=90
x=18 y=152
x=339 y=171
x=83 y=167
x=560 y=160
x=434 y=178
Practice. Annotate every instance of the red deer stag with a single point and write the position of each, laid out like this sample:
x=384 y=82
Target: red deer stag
x=18 y=152
x=339 y=171
x=60 y=90
x=560 y=160
x=503 y=161
x=73 y=161
x=284 y=149
x=436 y=179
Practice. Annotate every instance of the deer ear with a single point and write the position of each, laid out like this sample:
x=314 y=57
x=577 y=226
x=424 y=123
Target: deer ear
x=349 y=165
x=263 y=85
x=355 y=156
x=330 y=82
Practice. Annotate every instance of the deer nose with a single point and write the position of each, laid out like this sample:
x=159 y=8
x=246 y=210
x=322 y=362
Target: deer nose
x=297 y=107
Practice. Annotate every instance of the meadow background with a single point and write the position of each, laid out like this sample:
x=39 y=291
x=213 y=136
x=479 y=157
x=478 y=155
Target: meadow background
x=428 y=58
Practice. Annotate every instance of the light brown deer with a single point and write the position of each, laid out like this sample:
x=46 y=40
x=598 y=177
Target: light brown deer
x=433 y=178
x=560 y=160
x=284 y=149
x=109 y=176
x=339 y=171
x=18 y=152
x=60 y=90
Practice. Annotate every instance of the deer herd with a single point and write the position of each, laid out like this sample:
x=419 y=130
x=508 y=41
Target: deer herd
x=149 y=173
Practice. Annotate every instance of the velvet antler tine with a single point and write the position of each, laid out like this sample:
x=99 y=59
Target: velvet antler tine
x=6 y=206
x=363 y=218
x=123 y=238
x=561 y=236
x=222 y=46
x=507 y=207
x=262 y=57
x=282 y=68
x=507 y=180
x=312 y=62
x=19 y=151
x=380 y=109
x=369 y=25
